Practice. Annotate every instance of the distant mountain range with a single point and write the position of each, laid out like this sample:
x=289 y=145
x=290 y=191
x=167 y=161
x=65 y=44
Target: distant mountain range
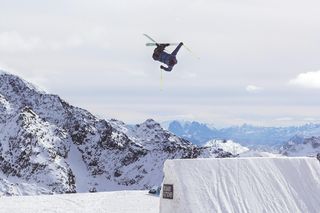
x=247 y=135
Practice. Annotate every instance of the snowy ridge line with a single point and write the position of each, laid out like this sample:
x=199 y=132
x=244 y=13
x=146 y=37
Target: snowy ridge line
x=2 y=72
x=29 y=85
x=249 y=158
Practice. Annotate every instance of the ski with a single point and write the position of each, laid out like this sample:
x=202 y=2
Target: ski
x=149 y=38
x=155 y=44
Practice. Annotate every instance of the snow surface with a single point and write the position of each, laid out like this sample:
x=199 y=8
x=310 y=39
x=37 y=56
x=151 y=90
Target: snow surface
x=79 y=169
x=256 y=153
x=243 y=185
x=301 y=147
x=2 y=72
x=304 y=150
x=228 y=146
x=105 y=202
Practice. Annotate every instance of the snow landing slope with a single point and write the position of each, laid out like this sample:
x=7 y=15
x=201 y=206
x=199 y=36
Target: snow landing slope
x=49 y=146
x=243 y=185
x=101 y=202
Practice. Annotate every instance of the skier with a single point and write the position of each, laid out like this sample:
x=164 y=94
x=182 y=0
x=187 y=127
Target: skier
x=169 y=59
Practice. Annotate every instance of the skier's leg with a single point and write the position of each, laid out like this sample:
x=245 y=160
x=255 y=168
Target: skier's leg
x=156 y=53
x=177 y=49
x=168 y=69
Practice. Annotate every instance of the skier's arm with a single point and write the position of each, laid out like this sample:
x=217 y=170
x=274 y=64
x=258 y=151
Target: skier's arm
x=161 y=47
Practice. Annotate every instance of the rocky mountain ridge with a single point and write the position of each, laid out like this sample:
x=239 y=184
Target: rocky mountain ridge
x=49 y=146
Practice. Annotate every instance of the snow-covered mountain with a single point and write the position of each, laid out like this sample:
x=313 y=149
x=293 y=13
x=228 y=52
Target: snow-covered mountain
x=48 y=146
x=299 y=146
x=227 y=145
x=246 y=135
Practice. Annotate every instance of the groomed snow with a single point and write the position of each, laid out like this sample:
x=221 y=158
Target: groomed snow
x=106 y=202
x=243 y=185
x=255 y=153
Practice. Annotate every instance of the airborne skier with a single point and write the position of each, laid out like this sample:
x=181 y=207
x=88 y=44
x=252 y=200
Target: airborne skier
x=160 y=55
x=169 y=59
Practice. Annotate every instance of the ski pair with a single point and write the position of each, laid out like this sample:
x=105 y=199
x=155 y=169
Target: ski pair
x=154 y=43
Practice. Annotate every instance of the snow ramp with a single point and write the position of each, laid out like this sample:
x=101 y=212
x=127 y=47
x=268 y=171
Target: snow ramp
x=241 y=185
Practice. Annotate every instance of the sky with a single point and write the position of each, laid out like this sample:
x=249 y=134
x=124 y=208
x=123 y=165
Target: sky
x=259 y=60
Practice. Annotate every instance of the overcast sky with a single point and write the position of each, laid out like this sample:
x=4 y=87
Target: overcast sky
x=259 y=60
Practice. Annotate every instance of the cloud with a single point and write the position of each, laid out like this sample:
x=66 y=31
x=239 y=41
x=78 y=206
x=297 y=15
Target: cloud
x=96 y=36
x=5 y=68
x=253 y=89
x=307 y=80
x=284 y=119
x=311 y=119
x=12 y=41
